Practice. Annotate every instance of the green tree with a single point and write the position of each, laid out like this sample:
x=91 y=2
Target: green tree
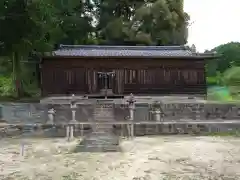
x=151 y=22
x=26 y=26
x=163 y=21
x=229 y=56
x=76 y=21
x=112 y=19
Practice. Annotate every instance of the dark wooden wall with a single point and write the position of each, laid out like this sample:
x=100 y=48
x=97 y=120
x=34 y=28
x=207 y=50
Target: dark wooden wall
x=138 y=76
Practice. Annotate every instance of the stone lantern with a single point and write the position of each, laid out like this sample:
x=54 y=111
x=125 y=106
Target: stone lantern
x=157 y=111
x=72 y=122
x=158 y=114
x=51 y=113
x=131 y=105
x=73 y=106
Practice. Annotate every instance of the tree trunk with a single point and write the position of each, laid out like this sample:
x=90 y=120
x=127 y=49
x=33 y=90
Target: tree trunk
x=17 y=74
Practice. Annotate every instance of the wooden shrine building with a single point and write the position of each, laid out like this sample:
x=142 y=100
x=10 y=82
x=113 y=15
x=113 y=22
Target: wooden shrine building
x=155 y=70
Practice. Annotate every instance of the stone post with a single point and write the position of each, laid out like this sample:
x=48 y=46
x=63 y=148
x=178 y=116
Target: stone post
x=158 y=118
x=68 y=132
x=70 y=126
x=158 y=115
x=51 y=113
x=71 y=135
x=131 y=105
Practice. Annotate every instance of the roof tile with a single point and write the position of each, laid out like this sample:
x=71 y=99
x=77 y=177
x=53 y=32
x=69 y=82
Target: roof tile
x=124 y=51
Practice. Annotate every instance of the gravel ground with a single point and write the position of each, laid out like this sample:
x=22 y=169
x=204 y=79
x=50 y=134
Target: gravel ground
x=144 y=158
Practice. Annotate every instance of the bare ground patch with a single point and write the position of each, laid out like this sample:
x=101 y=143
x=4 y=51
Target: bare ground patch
x=145 y=158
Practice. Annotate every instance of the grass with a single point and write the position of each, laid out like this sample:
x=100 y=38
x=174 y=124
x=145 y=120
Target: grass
x=233 y=133
x=23 y=99
x=222 y=94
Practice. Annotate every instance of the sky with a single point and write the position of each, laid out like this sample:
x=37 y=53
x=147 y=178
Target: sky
x=213 y=22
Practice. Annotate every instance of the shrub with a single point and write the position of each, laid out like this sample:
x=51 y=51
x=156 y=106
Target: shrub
x=231 y=77
x=6 y=86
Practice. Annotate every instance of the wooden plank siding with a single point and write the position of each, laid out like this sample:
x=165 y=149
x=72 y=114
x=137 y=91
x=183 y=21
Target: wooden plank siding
x=160 y=80
x=79 y=76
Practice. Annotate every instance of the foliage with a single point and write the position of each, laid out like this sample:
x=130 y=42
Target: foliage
x=229 y=56
x=214 y=80
x=159 y=22
x=5 y=66
x=225 y=71
x=163 y=21
x=27 y=26
x=219 y=94
x=6 y=88
x=231 y=76
x=234 y=133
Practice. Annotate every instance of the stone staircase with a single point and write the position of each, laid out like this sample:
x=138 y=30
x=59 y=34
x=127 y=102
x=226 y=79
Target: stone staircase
x=102 y=115
x=102 y=138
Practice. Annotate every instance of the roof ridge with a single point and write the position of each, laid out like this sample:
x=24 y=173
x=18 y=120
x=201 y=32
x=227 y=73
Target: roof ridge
x=128 y=51
x=123 y=47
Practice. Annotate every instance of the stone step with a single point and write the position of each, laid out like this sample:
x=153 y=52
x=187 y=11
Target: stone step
x=102 y=139
x=103 y=116
x=89 y=148
x=103 y=125
x=103 y=129
x=99 y=142
x=101 y=132
x=98 y=108
x=104 y=142
x=103 y=120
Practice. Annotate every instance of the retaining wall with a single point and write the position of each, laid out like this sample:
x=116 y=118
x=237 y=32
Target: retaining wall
x=37 y=113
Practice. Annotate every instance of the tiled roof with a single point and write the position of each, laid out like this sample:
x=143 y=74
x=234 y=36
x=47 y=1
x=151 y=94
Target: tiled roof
x=124 y=51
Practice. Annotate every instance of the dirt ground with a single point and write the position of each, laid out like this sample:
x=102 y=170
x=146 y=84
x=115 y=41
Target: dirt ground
x=144 y=158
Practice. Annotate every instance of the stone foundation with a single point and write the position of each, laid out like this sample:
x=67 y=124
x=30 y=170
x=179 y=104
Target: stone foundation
x=30 y=113
x=171 y=110
x=113 y=138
